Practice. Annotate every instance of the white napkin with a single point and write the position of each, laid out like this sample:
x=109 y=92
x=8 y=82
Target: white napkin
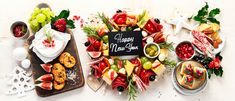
x=48 y=54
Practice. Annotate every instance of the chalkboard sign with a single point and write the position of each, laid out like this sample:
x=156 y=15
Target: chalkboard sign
x=125 y=43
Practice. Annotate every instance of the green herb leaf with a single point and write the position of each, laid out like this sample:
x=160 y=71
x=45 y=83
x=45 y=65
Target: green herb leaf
x=167 y=45
x=203 y=15
x=91 y=32
x=170 y=63
x=131 y=90
x=70 y=24
x=214 y=12
x=199 y=19
x=209 y=71
x=213 y=20
x=105 y=20
x=221 y=71
x=64 y=14
x=217 y=72
x=203 y=11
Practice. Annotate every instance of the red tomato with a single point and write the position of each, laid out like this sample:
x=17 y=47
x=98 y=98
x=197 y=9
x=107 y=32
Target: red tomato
x=102 y=65
x=97 y=44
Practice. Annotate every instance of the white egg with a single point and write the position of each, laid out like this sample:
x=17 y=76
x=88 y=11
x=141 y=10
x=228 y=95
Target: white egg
x=20 y=53
x=25 y=63
x=149 y=40
x=144 y=34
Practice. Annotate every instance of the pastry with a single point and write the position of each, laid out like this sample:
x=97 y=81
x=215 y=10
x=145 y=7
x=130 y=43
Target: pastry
x=58 y=86
x=57 y=67
x=59 y=73
x=63 y=56
x=69 y=62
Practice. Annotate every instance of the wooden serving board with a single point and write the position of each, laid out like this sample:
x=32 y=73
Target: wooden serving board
x=75 y=72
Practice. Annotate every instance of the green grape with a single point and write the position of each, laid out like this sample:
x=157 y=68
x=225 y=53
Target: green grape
x=41 y=18
x=144 y=59
x=43 y=23
x=34 y=22
x=114 y=67
x=36 y=11
x=147 y=65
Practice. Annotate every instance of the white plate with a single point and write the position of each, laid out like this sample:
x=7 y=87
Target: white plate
x=184 y=91
x=214 y=51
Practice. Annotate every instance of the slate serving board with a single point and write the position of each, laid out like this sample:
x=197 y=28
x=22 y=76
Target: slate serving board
x=75 y=71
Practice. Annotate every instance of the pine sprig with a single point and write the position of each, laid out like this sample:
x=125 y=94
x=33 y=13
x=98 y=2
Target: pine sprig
x=91 y=31
x=105 y=20
x=131 y=90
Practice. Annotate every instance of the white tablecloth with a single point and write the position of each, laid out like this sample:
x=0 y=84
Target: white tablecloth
x=218 y=89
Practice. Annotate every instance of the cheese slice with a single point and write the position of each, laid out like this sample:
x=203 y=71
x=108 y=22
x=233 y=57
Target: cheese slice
x=129 y=67
x=158 y=68
x=109 y=76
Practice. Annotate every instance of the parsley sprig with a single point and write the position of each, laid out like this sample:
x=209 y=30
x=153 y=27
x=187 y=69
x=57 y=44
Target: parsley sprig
x=204 y=15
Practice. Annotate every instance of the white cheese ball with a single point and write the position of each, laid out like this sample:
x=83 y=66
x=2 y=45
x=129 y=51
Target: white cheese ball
x=20 y=53
x=144 y=34
x=149 y=40
x=25 y=63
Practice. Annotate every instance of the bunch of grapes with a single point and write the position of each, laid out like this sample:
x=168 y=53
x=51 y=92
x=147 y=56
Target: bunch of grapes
x=39 y=18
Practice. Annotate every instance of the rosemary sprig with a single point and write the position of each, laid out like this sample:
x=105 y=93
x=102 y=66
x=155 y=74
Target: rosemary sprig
x=167 y=45
x=105 y=20
x=131 y=90
x=170 y=63
x=91 y=32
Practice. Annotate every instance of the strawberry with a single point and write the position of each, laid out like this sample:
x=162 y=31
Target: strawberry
x=60 y=24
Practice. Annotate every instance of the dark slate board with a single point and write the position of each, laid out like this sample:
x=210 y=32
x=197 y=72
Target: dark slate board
x=125 y=43
x=69 y=84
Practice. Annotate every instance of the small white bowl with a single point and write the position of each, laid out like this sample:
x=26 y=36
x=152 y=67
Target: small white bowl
x=26 y=35
x=153 y=43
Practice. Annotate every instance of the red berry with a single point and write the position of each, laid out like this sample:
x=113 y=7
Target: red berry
x=102 y=65
x=60 y=24
x=97 y=44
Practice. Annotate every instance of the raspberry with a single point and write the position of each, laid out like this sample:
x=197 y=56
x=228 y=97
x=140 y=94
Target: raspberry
x=60 y=24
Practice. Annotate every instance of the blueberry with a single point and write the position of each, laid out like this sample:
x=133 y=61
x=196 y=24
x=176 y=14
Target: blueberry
x=120 y=88
x=152 y=78
x=87 y=43
x=118 y=11
x=92 y=71
x=157 y=20
x=201 y=56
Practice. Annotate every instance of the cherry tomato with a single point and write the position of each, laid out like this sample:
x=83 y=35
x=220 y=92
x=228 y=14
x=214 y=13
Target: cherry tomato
x=102 y=65
x=97 y=44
